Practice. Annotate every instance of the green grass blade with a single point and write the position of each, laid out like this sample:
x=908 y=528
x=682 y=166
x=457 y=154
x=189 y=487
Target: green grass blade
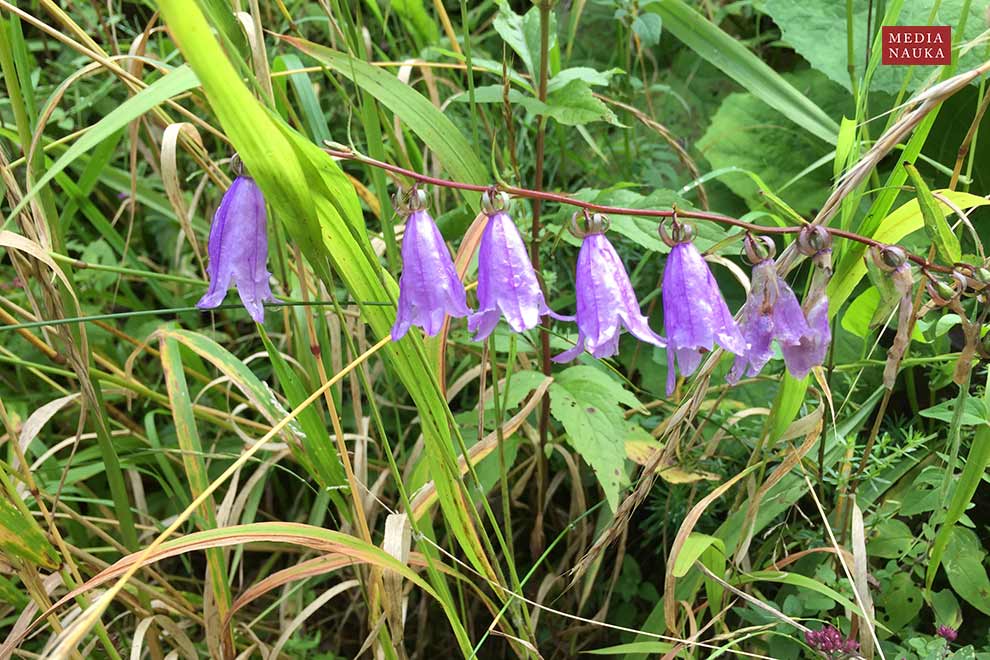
x=456 y=154
x=179 y=80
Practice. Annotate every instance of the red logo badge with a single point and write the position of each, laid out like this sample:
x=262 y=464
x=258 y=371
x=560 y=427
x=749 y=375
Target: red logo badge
x=917 y=44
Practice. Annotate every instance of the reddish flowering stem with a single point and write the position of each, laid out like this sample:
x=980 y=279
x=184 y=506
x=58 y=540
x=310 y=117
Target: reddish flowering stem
x=706 y=216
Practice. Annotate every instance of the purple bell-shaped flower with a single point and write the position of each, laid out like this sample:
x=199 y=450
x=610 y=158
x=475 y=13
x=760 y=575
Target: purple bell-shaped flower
x=238 y=249
x=429 y=288
x=606 y=301
x=507 y=282
x=694 y=312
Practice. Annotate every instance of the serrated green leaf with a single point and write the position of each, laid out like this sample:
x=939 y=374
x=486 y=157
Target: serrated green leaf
x=938 y=230
x=586 y=401
x=575 y=104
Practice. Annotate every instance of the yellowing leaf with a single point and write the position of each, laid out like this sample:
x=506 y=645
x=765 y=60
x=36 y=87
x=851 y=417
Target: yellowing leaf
x=676 y=475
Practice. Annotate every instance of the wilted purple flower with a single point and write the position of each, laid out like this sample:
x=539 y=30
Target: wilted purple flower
x=238 y=248
x=429 y=288
x=830 y=642
x=810 y=350
x=507 y=283
x=606 y=301
x=772 y=311
x=947 y=633
x=815 y=242
x=694 y=312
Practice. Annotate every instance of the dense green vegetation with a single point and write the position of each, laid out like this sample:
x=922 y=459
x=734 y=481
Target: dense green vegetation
x=186 y=482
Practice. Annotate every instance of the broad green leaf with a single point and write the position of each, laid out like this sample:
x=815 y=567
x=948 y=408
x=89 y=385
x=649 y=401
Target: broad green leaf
x=731 y=56
x=586 y=401
x=179 y=80
x=945 y=242
x=890 y=539
x=802 y=25
x=648 y=27
x=749 y=134
x=573 y=104
x=946 y=608
x=963 y=562
x=21 y=537
x=899 y=602
x=902 y=221
x=585 y=74
x=974 y=413
x=456 y=154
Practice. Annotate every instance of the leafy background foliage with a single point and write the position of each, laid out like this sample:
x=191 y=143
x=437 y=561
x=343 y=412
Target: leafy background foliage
x=309 y=489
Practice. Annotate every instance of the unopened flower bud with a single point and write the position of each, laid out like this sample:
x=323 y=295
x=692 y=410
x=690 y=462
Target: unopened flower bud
x=945 y=291
x=813 y=239
x=889 y=257
x=982 y=274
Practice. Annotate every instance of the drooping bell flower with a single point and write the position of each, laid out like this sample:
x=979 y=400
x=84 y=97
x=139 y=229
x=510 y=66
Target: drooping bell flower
x=507 y=282
x=772 y=312
x=238 y=249
x=429 y=289
x=606 y=302
x=815 y=242
x=695 y=315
